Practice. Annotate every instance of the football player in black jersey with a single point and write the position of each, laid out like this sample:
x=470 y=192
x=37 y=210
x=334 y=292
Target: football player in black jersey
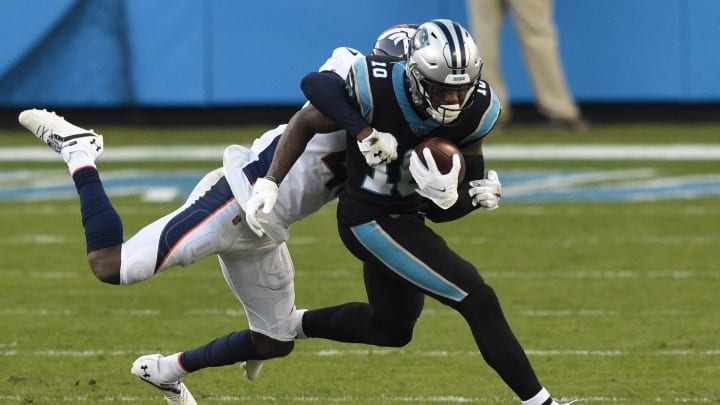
x=388 y=106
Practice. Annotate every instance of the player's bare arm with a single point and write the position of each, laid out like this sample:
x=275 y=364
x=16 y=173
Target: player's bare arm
x=327 y=91
x=473 y=148
x=301 y=128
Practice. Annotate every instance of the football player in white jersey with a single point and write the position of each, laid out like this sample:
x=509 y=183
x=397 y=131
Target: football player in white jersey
x=258 y=269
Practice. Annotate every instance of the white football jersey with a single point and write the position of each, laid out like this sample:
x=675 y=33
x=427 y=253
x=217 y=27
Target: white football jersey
x=314 y=180
x=341 y=61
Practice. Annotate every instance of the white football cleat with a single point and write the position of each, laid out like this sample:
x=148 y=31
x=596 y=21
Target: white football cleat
x=252 y=368
x=175 y=392
x=62 y=136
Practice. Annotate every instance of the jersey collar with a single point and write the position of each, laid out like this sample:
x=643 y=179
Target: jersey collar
x=418 y=126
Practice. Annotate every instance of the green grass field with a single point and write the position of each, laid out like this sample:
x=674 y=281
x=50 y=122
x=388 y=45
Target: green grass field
x=616 y=302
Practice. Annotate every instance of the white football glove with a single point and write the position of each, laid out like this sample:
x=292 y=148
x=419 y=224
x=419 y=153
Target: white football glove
x=378 y=148
x=486 y=192
x=264 y=195
x=439 y=188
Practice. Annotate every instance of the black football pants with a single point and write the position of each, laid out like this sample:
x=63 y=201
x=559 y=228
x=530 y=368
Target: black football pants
x=404 y=260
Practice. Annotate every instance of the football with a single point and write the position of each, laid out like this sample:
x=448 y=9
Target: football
x=442 y=150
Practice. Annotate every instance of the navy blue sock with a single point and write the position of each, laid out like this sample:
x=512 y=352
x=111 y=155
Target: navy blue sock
x=223 y=351
x=103 y=226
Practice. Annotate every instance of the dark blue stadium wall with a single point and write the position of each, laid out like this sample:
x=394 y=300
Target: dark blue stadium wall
x=215 y=53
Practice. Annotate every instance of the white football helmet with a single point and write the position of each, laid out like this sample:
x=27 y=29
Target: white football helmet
x=395 y=41
x=443 y=59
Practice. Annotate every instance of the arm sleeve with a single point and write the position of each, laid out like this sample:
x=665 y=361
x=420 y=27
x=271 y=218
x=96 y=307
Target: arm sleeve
x=474 y=169
x=326 y=91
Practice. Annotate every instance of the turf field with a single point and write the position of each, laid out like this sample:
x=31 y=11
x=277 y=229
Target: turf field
x=615 y=298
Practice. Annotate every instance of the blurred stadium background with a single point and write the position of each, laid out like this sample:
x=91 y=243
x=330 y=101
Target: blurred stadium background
x=241 y=61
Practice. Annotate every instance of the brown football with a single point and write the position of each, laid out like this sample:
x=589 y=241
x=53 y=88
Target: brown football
x=442 y=150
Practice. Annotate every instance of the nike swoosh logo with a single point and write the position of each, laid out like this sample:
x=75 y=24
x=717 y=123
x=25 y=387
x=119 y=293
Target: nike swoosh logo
x=353 y=53
x=442 y=190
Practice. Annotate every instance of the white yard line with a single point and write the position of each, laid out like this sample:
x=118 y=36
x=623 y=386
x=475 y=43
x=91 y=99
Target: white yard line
x=499 y=152
x=11 y=349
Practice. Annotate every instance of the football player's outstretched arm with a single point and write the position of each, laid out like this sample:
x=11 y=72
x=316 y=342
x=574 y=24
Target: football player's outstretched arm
x=301 y=128
x=326 y=90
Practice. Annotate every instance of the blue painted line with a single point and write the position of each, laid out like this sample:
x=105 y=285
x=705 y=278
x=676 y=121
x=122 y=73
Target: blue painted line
x=689 y=189
x=518 y=185
x=115 y=183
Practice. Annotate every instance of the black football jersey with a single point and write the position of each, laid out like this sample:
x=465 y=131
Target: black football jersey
x=376 y=84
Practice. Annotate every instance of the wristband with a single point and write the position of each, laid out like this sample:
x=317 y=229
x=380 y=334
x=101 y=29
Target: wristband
x=273 y=179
